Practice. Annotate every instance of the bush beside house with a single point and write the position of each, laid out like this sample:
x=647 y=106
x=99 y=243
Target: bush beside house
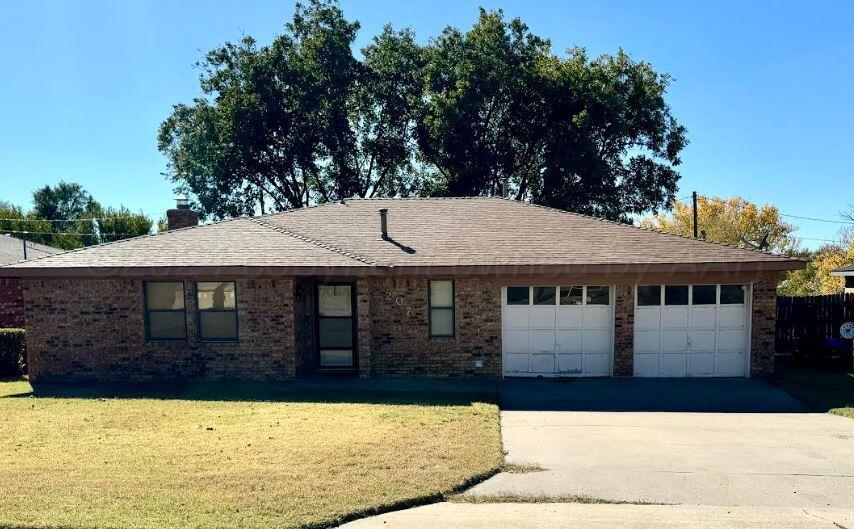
x=13 y=352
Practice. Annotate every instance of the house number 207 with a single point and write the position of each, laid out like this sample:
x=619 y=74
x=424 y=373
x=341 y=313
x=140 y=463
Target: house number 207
x=398 y=300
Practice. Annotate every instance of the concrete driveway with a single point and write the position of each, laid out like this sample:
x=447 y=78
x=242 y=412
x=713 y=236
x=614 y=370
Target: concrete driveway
x=693 y=442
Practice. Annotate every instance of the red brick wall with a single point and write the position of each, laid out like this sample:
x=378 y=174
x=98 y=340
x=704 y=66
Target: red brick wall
x=763 y=326
x=400 y=343
x=94 y=329
x=624 y=330
x=11 y=304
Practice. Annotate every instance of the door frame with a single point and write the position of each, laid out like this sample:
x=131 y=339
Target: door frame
x=354 y=319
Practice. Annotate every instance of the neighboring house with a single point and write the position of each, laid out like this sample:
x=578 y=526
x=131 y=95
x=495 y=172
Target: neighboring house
x=847 y=272
x=449 y=287
x=13 y=250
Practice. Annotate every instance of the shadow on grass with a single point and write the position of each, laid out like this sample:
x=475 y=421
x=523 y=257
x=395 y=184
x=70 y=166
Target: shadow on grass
x=246 y=391
x=822 y=390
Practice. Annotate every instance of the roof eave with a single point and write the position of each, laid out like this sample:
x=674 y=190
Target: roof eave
x=621 y=269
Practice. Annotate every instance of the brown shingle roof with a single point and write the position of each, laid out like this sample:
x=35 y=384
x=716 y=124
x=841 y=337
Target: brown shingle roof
x=435 y=233
x=12 y=250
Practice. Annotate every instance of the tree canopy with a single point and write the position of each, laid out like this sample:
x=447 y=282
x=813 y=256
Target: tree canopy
x=733 y=221
x=66 y=216
x=486 y=111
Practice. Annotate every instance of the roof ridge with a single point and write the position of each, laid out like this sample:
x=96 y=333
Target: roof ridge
x=316 y=242
x=649 y=230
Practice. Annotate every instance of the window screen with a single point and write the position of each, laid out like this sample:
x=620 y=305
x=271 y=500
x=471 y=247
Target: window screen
x=217 y=311
x=164 y=311
x=441 y=309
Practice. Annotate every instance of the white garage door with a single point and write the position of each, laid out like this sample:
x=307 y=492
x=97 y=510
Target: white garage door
x=555 y=330
x=696 y=330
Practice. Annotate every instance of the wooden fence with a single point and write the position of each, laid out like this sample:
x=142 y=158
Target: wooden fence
x=808 y=327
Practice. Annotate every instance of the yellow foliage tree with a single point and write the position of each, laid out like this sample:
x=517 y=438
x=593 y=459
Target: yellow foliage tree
x=731 y=221
x=816 y=279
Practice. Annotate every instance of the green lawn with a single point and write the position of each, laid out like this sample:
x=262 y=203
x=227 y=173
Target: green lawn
x=250 y=459
x=823 y=390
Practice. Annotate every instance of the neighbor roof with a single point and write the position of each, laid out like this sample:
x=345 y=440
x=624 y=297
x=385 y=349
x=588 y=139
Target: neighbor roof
x=481 y=235
x=12 y=250
x=844 y=271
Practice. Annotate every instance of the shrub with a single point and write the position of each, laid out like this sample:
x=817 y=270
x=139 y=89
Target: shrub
x=13 y=352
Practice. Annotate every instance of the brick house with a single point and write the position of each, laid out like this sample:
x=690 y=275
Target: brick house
x=13 y=250
x=455 y=287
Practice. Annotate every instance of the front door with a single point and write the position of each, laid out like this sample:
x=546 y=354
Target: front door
x=335 y=326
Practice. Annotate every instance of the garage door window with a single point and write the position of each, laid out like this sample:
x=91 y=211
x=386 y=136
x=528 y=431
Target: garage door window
x=704 y=294
x=518 y=296
x=544 y=295
x=598 y=295
x=571 y=295
x=649 y=295
x=732 y=294
x=676 y=295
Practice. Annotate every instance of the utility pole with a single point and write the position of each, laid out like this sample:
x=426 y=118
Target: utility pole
x=694 y=199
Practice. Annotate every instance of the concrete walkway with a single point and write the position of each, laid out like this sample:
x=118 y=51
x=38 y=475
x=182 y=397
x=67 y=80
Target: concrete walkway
x=573 y=515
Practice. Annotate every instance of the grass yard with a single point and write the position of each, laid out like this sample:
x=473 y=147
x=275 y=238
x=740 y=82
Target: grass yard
x=823 y=390
x=197 y=458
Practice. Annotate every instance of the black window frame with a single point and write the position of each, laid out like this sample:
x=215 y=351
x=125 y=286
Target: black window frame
x=354 y=326
x=147 y=311
x=452 y=308
x=199 y=311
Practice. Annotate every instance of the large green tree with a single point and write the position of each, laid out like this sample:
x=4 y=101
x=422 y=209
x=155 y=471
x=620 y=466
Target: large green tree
x=298 y=121
x=303 y=120
x=504 y=112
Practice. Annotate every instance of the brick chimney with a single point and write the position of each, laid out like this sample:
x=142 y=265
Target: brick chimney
x=182 y=216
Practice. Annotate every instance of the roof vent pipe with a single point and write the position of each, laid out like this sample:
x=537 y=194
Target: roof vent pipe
x=384 y=223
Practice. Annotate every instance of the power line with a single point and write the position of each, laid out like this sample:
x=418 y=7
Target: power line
x=817 y=220
x=70 y=233
x=77 y=220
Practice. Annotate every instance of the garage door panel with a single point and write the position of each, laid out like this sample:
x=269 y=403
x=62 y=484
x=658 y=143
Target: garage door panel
x=730 y=363
x=673 y=364
x=703 y=317
x=674 y=341
x=646 y=365
x=542 y=317
x=703 y=340
x=569 y=341
x=516 y=363
x=647 y=341
x=542 y=341
x=516 y=341
x=597 y=364
x=733 y=339
x=543 y=363
x=674 y=317
x=597 y=317
x=732 y=316
x=597 y=340
x=516 y=317
x=648 y=318
x=569 y=317
x=702 y=363
x=707 y=339
x=569 y=364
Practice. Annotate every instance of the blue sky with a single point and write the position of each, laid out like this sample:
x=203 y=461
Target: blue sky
x=764 y=88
